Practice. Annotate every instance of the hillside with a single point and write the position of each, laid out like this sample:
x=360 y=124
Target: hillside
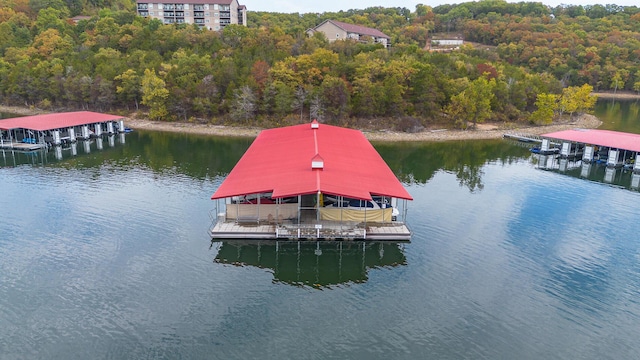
x=521 y=63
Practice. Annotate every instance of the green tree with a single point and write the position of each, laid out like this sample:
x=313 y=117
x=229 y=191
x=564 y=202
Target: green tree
x=154 y=95
x=618 y=79
x=128 y=87
x=546 y=105
x=335 y=97
x=636 y=85
x=473 y=104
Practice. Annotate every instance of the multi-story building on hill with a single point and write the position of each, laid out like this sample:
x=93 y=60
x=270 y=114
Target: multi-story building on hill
x=210 y=14
x=336 y=30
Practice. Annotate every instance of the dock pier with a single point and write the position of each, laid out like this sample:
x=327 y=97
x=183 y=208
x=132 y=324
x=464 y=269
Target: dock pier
x=35 y=132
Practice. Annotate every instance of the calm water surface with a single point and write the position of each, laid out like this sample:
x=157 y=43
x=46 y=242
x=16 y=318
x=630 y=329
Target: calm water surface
x=105 y=254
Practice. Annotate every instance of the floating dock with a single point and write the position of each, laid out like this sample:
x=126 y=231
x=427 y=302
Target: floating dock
x=30 y=133
x=311 y=182
x=526 y=138
x=310 y=229
x=613 y=148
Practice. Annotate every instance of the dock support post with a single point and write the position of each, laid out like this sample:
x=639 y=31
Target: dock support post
x=110 y=127
x=586 y=169
x=563 y=164
x=56 y=137
x=635 y=181
x=588 y=153
x=98 y=129
x=636 y=165
x=613 y=157
x=544 y=147
x=121 y=126
x=566 y=149
x=72 y=134
x=610 y=174
x=85 y=132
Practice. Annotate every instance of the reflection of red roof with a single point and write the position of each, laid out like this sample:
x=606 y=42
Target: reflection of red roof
x=56 y=121
x=280 y=161
x=612 y=139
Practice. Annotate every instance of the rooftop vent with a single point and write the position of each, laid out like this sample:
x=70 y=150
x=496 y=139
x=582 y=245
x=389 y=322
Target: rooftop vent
x=315 y=124
x=317 y=162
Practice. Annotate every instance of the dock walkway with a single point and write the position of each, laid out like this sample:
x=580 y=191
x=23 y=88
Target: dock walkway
x=326 y=230
x=12 y=145
x=528 y=138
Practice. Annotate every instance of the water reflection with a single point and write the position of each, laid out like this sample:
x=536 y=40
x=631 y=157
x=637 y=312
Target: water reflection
x=419 y=162
x=596 y=171
x=58 y=154
x=619 y=115
x=315 y=264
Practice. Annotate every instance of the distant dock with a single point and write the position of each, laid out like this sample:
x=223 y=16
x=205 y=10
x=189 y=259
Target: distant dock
x=527 y=138
x=614 y=148
x=35 y=132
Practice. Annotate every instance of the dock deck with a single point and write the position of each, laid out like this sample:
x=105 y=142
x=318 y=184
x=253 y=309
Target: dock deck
x=325 y=230
x=12 y=145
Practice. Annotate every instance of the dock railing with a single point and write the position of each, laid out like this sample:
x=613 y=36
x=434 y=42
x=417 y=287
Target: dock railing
x=321 y=231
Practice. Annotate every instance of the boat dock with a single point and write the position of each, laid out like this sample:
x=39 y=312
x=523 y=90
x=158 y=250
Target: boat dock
x=613 y=148
x=322 y=230
x=311 y=182
x=35 y=132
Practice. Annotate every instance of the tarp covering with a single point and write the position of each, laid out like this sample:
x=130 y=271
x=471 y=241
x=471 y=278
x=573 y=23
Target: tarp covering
x=56 y=121
x=280 y=161
x=373 y=215
x=611 y=139
x=269 y=212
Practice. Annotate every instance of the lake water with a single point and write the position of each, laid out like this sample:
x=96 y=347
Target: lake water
x=105 y=254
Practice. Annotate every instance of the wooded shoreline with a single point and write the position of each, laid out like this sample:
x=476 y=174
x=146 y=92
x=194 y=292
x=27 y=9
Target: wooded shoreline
x=482 y=132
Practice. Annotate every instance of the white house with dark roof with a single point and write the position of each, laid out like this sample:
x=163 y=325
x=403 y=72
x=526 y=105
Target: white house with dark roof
x=336 y=30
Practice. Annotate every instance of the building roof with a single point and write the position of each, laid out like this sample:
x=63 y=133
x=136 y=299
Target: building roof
x=56 y=121
x=280 y=161
x=611 y=139
x=362 y=30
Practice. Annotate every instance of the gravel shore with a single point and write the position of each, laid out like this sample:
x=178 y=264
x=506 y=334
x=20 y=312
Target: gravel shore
x=483 y=131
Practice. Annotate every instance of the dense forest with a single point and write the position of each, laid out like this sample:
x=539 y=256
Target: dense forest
x=521 y=62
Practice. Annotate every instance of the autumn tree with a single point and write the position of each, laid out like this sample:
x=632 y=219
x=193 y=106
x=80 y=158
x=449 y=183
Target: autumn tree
x=618 y=79
x=154 y=95
x=546 y=105
x=577 y=99
x=128 y=87
x=473 y=104
x=335 y=97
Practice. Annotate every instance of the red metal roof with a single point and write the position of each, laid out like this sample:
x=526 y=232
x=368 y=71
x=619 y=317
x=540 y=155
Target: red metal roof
x=612 y=139
x=56 y=121
x=280 y=161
